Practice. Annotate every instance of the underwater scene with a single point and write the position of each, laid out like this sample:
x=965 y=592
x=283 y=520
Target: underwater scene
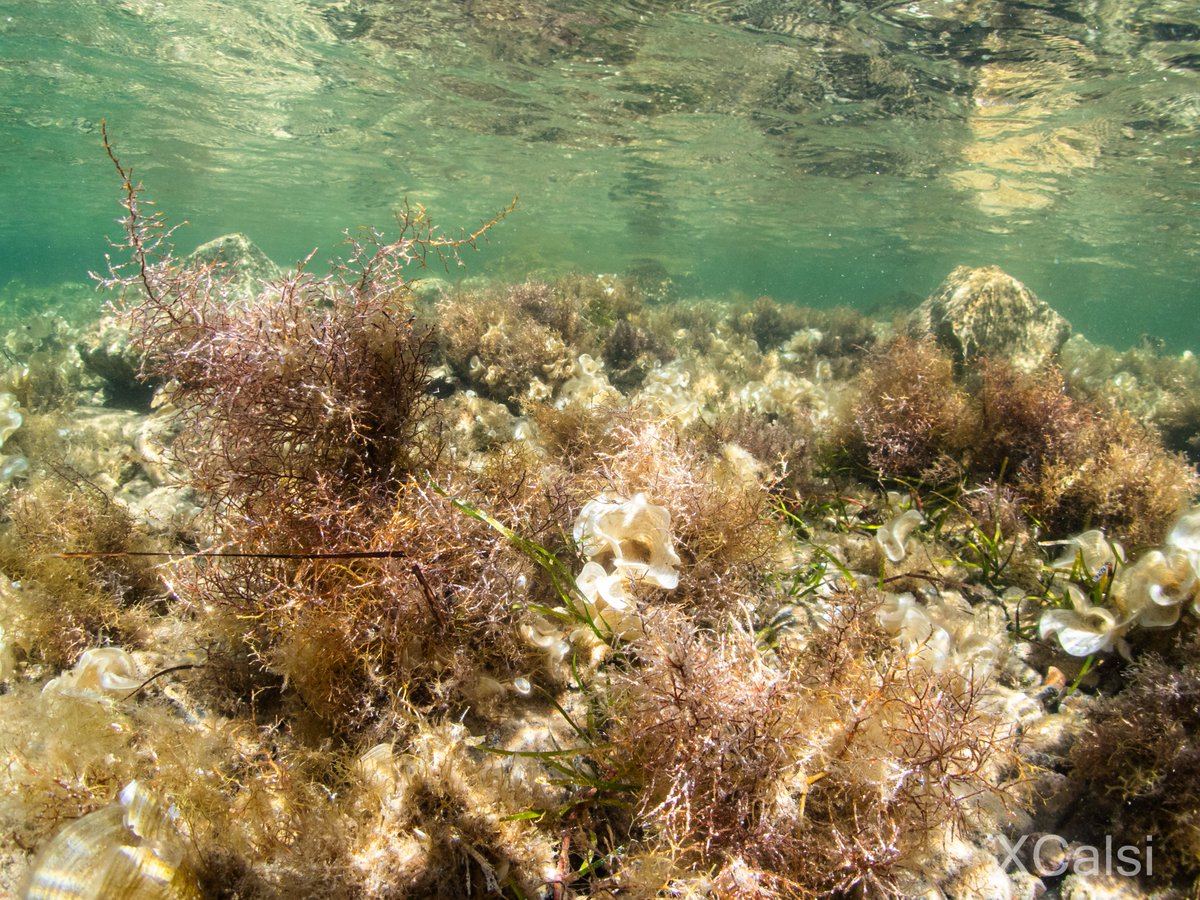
x=581 y=450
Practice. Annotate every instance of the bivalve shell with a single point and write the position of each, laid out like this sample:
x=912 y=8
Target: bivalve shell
x=129 y=850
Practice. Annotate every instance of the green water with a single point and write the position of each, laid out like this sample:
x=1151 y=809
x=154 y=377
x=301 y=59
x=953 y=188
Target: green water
x=819 y=152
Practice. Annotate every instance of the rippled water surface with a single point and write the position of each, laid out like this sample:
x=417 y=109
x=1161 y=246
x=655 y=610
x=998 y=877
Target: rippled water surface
x=820 y=152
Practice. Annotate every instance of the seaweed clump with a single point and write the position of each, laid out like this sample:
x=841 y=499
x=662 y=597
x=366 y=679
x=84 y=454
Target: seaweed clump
x=912 y=420
x=522 y=343
x=1072 y=463
x=311 y=390
x=304 y=422
x=503 y=345
x=840 y=335
x=1078 y=465
x=1137 y=766
x=826 y=767
x=1156 y=387
x=61 y=606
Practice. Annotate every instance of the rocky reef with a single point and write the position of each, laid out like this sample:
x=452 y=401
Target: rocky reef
x=541 y=590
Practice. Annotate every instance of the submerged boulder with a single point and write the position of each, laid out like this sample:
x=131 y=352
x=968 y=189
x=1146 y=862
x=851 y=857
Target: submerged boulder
x=984 y=311
x=106 y=351
x=240 y=260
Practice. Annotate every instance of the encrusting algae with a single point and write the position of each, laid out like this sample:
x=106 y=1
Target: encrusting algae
x=544 y=591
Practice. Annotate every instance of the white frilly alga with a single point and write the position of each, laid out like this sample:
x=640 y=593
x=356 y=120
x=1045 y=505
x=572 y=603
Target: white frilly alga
x=15 y=465
x=99 y=671
x=627 y=542
x=1150 y=592
x=944 y=633
x=892 y=536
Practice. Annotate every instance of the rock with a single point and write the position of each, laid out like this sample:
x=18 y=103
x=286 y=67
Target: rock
x=106 y=353
x=1055 y=796
x=985 y=312
x=1026 y=886
x=1106 y=886
x=93 y=444
x=238 y=259
x=982 y=876
x=1048 y=741
x=166 y=510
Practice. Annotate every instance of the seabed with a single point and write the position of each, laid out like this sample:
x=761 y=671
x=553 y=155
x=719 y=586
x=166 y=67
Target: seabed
x=365 y=586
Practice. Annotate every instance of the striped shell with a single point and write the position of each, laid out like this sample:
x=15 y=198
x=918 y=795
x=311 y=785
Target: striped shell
x=129 y=850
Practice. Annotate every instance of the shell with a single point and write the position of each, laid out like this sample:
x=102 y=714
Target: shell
x=128 y=850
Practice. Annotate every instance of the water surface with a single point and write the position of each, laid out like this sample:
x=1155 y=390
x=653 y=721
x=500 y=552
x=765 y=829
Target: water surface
x=819 y=152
